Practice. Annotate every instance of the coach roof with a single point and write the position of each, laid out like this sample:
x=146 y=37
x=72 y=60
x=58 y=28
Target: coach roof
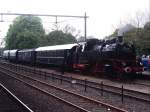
x=56 y=47
x=26 y=50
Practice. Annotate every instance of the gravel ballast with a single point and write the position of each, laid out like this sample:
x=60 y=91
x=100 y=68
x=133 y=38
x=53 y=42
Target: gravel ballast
x=34 y=99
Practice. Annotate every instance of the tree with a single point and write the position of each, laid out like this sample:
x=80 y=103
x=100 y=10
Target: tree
x=59 y=37
x=147 y=26
x=138 y=32
x=25 y=32
x=140 y=39
x=68 y=29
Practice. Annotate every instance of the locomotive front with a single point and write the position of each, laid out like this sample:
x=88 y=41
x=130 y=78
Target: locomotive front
x=117 y=59
x=126 y=62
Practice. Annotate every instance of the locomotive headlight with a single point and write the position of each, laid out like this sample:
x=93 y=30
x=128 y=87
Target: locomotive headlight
x=141 y=64
x=124 y=64
x=127 y=69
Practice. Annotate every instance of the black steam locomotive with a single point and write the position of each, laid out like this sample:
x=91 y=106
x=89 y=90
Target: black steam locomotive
x=113 y=58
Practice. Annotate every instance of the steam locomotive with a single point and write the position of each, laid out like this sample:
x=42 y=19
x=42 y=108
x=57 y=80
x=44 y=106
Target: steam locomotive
x=113 y=58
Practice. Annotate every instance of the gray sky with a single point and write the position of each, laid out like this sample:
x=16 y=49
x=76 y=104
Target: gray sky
x=104 y=15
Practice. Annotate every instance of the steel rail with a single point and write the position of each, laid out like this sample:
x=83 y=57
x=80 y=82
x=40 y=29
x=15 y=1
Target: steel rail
x=90 y=99
x=45 y=92
x=17 y=100
x=142 y=83
x=106 y=85
x=106 y=90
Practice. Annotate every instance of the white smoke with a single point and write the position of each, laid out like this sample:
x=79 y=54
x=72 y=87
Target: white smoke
x=125 y=29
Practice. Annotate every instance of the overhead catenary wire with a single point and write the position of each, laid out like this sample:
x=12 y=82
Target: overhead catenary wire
x=71 y=16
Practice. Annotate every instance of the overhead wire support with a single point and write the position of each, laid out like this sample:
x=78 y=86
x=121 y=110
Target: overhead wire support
x=1 y=18
x=85 y=26
x=48 y=15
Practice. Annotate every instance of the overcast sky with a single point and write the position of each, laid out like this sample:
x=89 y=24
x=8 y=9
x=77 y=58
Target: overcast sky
x=104 y=15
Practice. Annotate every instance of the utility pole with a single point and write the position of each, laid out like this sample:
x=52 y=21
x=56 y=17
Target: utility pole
x=56 y=23
x=149 y=9
x=1 y=18
x=85 y=27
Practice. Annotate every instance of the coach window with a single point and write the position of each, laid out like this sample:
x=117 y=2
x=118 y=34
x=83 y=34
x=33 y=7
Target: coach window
x=60 y=52
x=55 y=53
x=50 y=54
x=45 y=53
x=42 y=53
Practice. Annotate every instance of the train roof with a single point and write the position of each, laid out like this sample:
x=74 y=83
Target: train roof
x=56 y=47
x=6 y=51
x=26 y=50
x=12 y=51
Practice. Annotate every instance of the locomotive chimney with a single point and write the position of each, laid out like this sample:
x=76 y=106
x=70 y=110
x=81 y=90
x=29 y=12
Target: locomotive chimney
x=122 y=30
x=120 y=36
x=120 y=39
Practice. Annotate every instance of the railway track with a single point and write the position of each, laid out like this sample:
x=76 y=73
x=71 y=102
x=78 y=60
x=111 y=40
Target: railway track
x=118 y=90
x=141 y=82
x=86 y=104
x=9 y=102
x=97 y=86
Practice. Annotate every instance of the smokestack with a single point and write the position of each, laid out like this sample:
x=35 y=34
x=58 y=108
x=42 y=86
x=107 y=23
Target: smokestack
x=120 y=35
x=123 y=30
x=120 y=39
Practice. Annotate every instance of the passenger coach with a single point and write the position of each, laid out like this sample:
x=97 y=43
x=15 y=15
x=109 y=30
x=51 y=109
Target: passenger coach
x=27 y=56
x=54 y=55
x=5 y=55
x=13 y=55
